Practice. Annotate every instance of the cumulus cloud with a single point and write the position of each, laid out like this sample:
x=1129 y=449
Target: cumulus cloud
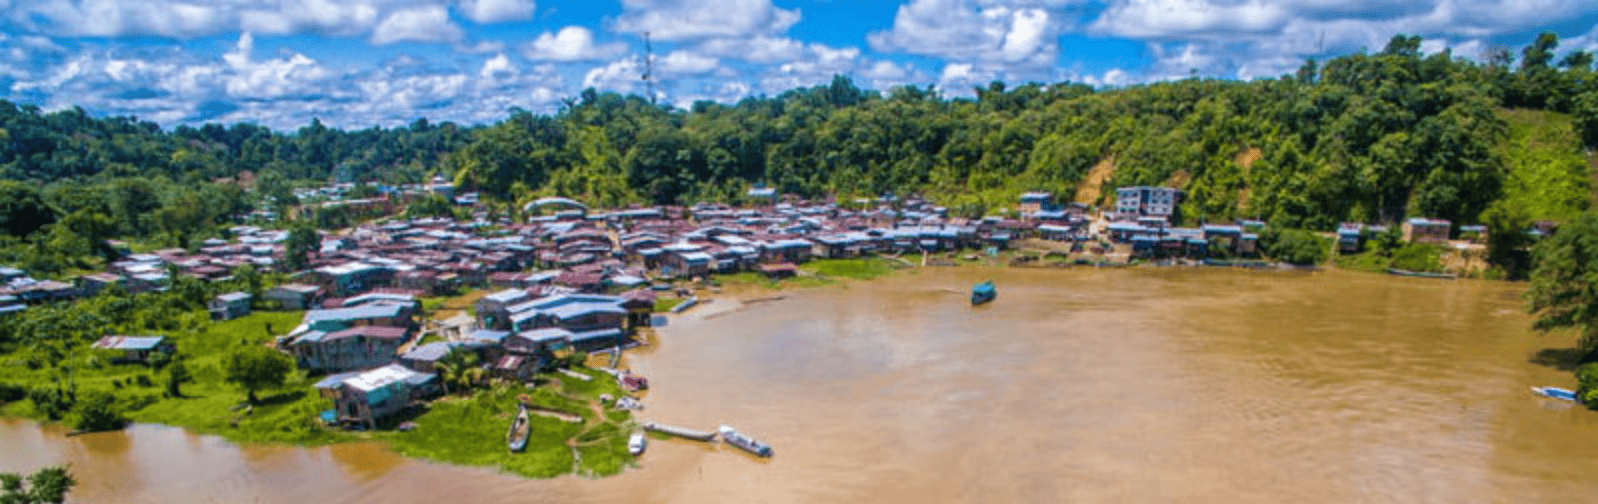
x=497 y=66
x=757 y=49
x=971 y=32
x=572 y=43
x=422 y=24
x=497 y=11
x=676 y=20
x=621 y=75
x=383 y=20
x=679 y=63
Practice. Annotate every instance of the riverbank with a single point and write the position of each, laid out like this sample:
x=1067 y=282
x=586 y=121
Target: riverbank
x=464 y=429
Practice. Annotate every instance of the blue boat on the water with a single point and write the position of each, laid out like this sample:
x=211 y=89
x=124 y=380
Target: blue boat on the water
x=983 y=292
x=1556 y=393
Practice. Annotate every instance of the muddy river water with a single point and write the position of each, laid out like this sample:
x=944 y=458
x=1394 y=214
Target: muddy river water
x=1132 y=385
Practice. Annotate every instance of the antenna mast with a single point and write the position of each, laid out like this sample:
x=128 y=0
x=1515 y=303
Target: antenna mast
x=649 y=59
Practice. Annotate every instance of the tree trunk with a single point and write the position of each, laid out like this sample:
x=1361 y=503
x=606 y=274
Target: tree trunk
x=250 y=396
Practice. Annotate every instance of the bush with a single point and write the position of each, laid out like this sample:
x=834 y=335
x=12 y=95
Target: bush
x=1296 y=246
x=12 y=392
x=1587 y=384
x=99 y=412
x=144 y=381
x=1418 y=257
x=53 y=403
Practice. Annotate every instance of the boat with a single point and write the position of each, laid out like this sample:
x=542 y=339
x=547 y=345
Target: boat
x=1420 y=274
x=983 y=292
x=1557 y=393
x=520 y=428
x=636 y=443
x=749 y=444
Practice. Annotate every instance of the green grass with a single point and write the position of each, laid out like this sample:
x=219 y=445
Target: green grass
x=471 y=431
x=1365 y=261
x=1418 y=257
x=1550 y=175
x=665 y=304
x=818 y=273
x=854 y=269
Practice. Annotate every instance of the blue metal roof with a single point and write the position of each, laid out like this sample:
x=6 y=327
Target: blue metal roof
x=598 y=334
x=369 y=311
x=430 y=352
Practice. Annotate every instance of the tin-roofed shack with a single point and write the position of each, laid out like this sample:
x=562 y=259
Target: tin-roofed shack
x=133 y=348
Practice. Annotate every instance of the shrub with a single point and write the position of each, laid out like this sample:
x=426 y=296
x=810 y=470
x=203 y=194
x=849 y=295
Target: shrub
x=1418 y=257
x=12 y=392
x=143 y=381
x=51 y=402
x=99 y=412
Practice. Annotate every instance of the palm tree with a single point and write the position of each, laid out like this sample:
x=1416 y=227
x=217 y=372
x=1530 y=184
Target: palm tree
x=459 y=367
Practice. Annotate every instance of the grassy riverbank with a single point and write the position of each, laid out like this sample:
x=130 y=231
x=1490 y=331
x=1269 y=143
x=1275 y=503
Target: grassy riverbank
x=820 y=273
x=466 y=430
x=470 y=430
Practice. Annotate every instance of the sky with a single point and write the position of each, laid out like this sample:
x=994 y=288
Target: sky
x=361 y=63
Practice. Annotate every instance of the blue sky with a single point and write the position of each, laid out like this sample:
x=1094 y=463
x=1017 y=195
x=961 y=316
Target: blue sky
x=359 y=63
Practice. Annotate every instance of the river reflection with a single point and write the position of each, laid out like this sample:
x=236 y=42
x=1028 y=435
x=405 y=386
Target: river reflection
x=1132 y=385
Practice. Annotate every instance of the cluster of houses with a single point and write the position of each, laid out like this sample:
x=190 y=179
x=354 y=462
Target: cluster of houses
x=575 y=280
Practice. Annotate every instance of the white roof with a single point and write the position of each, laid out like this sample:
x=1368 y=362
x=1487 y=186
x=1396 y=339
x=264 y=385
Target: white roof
x=379 y=377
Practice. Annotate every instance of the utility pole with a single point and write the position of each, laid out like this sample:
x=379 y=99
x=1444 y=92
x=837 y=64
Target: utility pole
x=649 y=64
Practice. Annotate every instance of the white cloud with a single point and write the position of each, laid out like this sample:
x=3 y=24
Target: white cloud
x=757 y=49
x=331 y=17
x=621 y=75
x=572 y=43
x=422 y=24
x=679 y=63
x=674 y=20
x=1165 y=18
x=497 y=66
x=104 y=18
x=497 y=11
x=957 y=30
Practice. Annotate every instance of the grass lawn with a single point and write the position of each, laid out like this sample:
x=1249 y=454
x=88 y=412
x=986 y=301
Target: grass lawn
x=665 y=304
x=471 y=430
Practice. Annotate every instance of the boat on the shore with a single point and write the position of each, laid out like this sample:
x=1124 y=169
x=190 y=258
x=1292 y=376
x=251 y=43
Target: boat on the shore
x=983 y=292
x=748 y=444
x=636 y=443
x=1557 y=393
x=1420 y=274
x=520 y=428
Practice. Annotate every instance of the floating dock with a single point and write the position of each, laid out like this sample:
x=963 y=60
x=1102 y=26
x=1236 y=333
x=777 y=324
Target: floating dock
x=697 y=435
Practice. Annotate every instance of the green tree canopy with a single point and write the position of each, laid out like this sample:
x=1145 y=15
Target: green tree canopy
x=256 y=368
x=45 y=486
x=1564 y=283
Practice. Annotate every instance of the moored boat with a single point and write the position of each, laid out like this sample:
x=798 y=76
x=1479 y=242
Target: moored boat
x=983 y=292
x=520 y=428
x=636 y=443
x=1556 y=393
x=749 y=444
x=1420 y=274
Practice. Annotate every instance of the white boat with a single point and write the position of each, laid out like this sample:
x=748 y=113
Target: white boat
x=1556 y=393
x=749 y=444
x=636 y=443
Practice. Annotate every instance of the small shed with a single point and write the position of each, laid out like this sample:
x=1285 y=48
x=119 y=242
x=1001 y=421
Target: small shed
x=230 y=306
x=133 y=348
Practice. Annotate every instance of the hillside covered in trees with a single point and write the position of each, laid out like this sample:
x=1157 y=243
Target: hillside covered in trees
x=1368 y=137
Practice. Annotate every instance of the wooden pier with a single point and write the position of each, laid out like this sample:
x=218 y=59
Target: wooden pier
x=681 y=432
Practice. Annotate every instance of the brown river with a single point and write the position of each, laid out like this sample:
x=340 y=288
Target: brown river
x=1133 y=385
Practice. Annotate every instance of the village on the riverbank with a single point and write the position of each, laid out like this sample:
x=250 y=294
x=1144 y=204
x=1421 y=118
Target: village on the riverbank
x=399 y=317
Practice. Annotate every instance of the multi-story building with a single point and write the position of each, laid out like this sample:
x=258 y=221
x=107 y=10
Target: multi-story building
x=1146 y=201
